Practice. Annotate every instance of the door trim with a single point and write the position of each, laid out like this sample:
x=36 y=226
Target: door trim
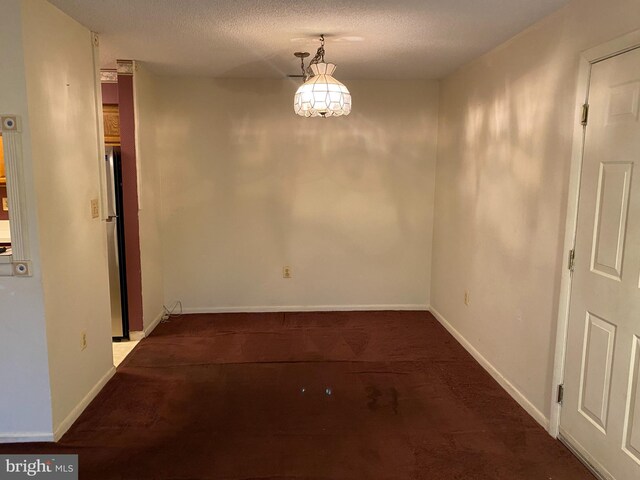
x=618 y=46
x=587 y=460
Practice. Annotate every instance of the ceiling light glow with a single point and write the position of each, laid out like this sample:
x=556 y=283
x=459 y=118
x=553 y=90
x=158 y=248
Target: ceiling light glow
x=321 y=95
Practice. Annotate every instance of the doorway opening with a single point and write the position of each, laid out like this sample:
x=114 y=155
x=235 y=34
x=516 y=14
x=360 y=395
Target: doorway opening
x=5 y=230
x=115 y=218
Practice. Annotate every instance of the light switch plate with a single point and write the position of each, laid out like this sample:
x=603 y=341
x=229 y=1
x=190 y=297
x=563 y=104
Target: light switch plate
x=95 y=210
x=286 y=272
x=5 y=204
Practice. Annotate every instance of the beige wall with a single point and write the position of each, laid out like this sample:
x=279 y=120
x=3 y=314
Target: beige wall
x=248 y=187
x=150 y=194
x=64 y=139
x=506 y=126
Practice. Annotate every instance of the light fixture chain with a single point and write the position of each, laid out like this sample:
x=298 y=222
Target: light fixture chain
x=319 y=57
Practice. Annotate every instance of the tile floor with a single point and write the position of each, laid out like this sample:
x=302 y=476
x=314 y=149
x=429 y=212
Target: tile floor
x=122 y=349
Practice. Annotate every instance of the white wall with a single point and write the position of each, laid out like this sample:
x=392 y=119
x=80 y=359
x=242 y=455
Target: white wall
x=48 y=79
x=62 y=113
x=506 y=126
x=248 y=187
x=150 y=195
x=25 y=404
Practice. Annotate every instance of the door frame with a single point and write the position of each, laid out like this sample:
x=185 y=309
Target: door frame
x=588 y=58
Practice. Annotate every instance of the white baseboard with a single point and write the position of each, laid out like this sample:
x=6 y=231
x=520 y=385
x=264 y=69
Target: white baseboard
x=517 y=395
x=20 y=437
x=140 y=334
x=306 y=308
x=156 y=321
x=75 y=413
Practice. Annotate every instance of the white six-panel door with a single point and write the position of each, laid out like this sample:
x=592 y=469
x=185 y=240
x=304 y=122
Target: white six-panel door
x=601 y=409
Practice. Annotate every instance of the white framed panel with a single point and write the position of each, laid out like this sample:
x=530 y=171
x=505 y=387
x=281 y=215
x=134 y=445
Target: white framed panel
x=19 y=262
x=623 y=103
x=595 y=375
x=610 y=223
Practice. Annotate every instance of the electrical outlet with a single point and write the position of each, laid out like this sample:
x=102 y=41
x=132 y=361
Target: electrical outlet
x=95 y=210
x=467 y=299
x=5 y=204
x=286 y=272
x=83 y=340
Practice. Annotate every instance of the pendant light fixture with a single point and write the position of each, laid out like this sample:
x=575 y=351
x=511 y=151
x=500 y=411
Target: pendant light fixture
x=321 y=95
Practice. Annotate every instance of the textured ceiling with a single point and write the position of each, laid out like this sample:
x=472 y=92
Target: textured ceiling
x=385 y=39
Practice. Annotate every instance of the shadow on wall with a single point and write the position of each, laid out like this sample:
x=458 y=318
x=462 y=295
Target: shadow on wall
x=508 y=165
x=245 y=178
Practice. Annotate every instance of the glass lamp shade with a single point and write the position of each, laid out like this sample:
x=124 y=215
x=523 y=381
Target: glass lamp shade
x=322 y=95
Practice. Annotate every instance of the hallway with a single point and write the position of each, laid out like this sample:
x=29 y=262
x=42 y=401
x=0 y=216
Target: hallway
x=349 y=395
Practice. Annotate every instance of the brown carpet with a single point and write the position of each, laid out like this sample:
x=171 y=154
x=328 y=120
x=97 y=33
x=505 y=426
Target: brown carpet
x=352 y=395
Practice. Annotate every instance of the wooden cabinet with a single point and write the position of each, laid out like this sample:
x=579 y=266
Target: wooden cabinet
x=111 y=118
